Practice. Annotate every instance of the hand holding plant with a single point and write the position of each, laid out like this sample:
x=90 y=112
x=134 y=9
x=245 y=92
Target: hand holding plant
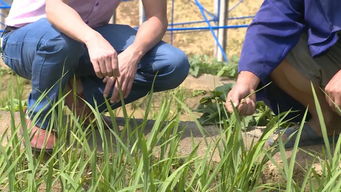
x=333 y=93
x=128 y=66
x=242 y=95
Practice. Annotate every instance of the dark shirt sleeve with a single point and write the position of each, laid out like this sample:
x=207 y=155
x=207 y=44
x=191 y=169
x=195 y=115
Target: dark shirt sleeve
x=275 y=29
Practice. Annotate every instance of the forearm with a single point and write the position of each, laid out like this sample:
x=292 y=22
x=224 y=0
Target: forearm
x=102 y=55
x=148 y=35
x=152 y=30
x=246 y=78
x=73 y=26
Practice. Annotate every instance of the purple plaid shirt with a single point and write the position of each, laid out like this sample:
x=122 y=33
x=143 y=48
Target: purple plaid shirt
x=93 y=12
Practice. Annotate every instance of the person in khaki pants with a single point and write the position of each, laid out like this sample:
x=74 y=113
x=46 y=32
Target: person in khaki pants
x=292 y=43
x=50 y=41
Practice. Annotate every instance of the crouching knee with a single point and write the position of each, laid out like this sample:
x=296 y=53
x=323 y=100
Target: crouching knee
x=178 y=68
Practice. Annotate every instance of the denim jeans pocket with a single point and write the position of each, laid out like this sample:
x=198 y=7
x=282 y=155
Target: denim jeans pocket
x=12 y=58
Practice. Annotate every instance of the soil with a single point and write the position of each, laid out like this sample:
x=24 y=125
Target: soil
x=197 y=42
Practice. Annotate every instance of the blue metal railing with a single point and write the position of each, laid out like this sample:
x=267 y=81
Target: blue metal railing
x=204 y=13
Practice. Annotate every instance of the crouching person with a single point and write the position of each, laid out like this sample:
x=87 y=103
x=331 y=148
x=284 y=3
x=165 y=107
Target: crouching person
x=292 y=44
x=52 y=41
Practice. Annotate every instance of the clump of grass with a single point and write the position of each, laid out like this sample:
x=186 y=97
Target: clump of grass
x=11 y=98
x=329 y=179
x=143 y=155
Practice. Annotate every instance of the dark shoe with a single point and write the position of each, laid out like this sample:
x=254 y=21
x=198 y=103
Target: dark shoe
x=308 y=137
x=107 y=122
x=39 y=150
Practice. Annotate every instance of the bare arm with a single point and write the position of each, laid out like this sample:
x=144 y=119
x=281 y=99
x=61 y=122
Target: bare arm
x=73 y=26
x=152 y=30
x=68 y=21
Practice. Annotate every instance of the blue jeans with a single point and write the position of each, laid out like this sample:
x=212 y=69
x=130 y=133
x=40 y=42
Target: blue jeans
x=47 y=57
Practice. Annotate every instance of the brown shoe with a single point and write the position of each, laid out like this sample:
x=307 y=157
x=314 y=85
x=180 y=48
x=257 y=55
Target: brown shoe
x=41 y=140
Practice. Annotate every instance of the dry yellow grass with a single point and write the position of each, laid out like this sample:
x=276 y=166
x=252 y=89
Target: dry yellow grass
x=196 y=42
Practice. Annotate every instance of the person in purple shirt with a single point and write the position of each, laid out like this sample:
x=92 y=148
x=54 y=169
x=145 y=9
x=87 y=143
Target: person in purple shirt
x=52 y=41
x=291 y=43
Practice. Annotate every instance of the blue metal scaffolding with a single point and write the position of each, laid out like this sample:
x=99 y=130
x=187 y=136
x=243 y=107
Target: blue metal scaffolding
x=211 y=21
x=3 y=5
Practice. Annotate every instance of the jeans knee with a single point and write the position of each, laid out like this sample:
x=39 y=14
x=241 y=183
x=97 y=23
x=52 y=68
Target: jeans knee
x=179 y=65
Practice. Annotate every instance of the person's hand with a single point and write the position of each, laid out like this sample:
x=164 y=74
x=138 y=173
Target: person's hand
x=128 y=65
x=102 y=56
x=333 y=90
x=242 y=98
x=242 y=95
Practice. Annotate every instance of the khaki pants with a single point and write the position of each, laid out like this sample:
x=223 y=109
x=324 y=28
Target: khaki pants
x=319 y=69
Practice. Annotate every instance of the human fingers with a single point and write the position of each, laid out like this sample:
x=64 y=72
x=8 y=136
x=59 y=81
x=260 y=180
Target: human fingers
x=105 y=79
x=337 y=108
x=228 y=103
x=333 y=92
x=232 y=101
x=242 y=107
x=96 y=67
x=329 y=100
x=102 y=66
x=329 y=95
x=108 y=66
x=108 y=86
x=128 y=89
x=126 y=86
x=123 y=87
x=114 y=65
x=247 y=106
x=338 y=101
x=334 y=102
x=251 y=107
x=116 y=91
